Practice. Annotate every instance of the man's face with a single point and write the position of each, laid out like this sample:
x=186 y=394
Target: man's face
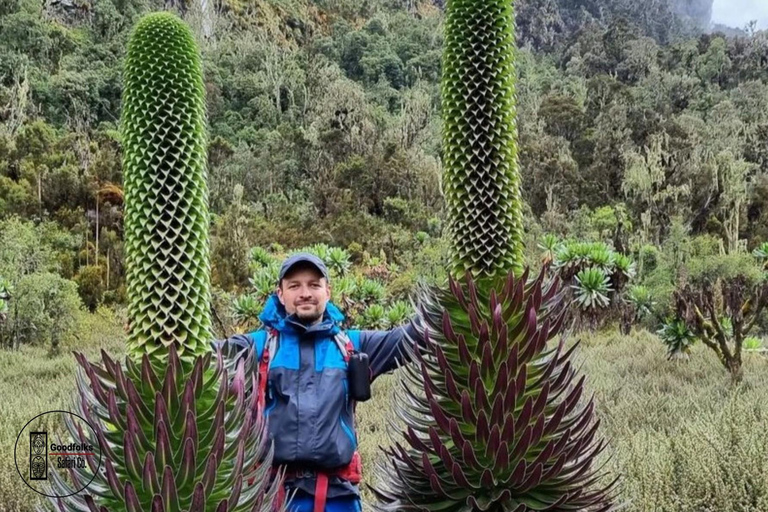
x=304 y=292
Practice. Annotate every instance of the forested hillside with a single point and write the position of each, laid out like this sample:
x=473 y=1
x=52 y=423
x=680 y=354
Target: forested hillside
x=642 y=148
x=324 y=127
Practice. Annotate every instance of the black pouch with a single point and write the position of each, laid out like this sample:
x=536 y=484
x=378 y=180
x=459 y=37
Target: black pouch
x=359 y=376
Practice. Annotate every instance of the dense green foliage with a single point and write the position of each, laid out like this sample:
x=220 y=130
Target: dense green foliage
x=328 y=115
x=371 y=292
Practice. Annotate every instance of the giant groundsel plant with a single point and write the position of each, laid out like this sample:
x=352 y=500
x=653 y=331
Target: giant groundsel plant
x=493 y=412
x=177 y=425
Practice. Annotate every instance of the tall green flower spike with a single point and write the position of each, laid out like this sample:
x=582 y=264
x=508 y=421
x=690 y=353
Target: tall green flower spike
x=166 y=211
x=482 y=179
x=494 y=418
x=177 y=426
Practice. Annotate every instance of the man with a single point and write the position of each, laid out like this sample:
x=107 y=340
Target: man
x=308 y=404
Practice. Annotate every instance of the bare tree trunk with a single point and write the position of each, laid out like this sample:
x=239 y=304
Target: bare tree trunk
x=734 y=368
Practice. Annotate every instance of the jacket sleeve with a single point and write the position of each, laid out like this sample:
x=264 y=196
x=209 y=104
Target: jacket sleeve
x=386 y=349
x=238 y=341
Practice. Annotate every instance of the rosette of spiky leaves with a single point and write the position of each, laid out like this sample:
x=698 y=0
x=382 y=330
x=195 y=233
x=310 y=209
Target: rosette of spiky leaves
x=247 y=309
x=398 y=313
x=320 y=250
x=753 y=343
x=338 y=261
x=264 y=280
x=622 y=272
x=592 y=289
x=642 y=301
x=344 y=288
x=549 y=246
x=727 y=325
x=482 y=178
x=260 y=258
x=166 y=193
x=601 y=256
x=171 y=439
x=678 y=338
x=570 y=258
x=369 y=290
x=493 y=417
x=374 y=317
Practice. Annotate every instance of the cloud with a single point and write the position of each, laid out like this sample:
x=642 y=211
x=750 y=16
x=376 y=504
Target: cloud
x=737 y=13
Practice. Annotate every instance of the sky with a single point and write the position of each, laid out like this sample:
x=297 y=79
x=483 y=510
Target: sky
x=737 y=13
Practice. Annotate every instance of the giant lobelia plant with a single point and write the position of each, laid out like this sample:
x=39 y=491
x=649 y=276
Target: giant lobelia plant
x=176 y=424
x=493 y=416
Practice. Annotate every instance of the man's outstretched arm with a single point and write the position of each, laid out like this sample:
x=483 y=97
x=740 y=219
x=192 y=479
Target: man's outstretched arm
x=237 y=341
x=386 y=349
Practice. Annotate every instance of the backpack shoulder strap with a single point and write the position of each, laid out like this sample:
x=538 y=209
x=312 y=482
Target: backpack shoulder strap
x=348 y=343
x=259 y=339
x=266 y=346
x=354 y=337
x=265 y=339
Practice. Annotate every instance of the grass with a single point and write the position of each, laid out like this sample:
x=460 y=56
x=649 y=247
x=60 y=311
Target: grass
x=684 y=439
x=33 y=382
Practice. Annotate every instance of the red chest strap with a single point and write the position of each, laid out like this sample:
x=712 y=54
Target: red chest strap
x=264 y=368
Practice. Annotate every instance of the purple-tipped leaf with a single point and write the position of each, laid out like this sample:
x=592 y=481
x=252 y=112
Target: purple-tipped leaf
x=163 y=454
x=494 y=442
x=157 y=504
x=508 y=430
x=464 y=353
x=170 y=494
x=523 y=444
x=467 y=410
x=132 y=503
x=148 y=375
x=483 y=432
x=209 y=475
x=198 y=498
x=132 y=462
x=149 y=475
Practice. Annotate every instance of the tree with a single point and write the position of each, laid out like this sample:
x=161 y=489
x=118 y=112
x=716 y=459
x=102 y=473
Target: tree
x=722 y=303
x=646 y=179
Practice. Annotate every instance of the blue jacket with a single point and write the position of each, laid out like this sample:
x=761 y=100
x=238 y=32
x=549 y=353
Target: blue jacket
x=310 y=418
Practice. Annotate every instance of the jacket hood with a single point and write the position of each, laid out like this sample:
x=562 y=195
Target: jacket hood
x=275 y=316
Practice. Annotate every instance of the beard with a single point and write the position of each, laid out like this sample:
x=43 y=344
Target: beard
x=309 y=316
